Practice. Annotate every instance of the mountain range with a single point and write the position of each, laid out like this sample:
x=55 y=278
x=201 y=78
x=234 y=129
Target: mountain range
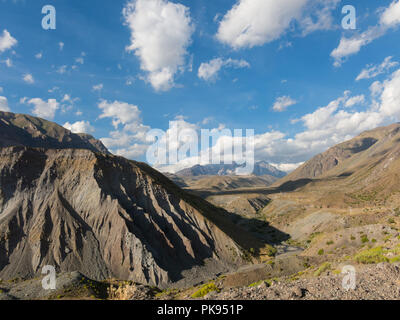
x=261 y=168
x=66 y=201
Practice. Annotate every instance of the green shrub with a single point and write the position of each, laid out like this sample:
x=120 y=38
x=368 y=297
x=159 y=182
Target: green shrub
x=256 y=284
x=370 y=256
x=321 y=252
x=364 y=238
x=324 y=267
x=272 y=251
x=204 y=290
x=330 y=242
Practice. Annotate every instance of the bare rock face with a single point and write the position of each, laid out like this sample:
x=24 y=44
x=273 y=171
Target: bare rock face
x=25 y=130
x=103 y=216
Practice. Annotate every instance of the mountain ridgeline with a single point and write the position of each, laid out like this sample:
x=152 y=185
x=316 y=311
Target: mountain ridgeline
x=368 y=162
x=261 y=168
x=28 y=131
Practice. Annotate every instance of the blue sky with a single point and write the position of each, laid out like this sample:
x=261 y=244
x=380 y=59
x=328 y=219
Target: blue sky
x=83 y=74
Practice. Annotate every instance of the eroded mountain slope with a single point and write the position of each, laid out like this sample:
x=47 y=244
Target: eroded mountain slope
x=106 y=217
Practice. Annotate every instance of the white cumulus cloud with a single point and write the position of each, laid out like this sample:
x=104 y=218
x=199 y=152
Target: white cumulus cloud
x=389 y=18
x=6 y=41
x=4 y=104
x=255 y=22
x=28 y=78
x=356 y=100
x=160 y=35
x=282 y=103
x=129 y=137
x=44 y=109
x=373 y=71
x=79 y=127
x=98 y=87
x=208 y=71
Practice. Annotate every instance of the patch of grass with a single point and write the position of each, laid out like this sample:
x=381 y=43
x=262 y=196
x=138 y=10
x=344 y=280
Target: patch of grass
x=256 y=284
x=204 y=290
x=169 y=292
x=395 y=259
x=391 y=221
x=387 y=238
x=324 y=267
x=321 y=252
x=353 y=238
x=371 y=256
x=271 y=262
x=364 y=238
x=271 y=251
x=315 y=234
x=373 y=240
x=329 y=242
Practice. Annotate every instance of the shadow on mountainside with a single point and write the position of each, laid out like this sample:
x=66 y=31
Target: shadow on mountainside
x=285 y=187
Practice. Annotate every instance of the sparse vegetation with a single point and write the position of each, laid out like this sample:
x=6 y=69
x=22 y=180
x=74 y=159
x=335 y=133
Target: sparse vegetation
x=205 y=289
x=324 y=267
x=364 y=238
x=321 y=252
x=272 y=251
x=374 y=255
x=395 y=259
x=124 y=291
x=256 y=284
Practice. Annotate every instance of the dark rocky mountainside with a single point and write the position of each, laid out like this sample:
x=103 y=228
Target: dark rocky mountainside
x=25 y=130
x=73 y=207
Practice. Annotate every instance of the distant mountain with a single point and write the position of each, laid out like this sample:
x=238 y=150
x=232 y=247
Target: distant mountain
x=25 y=130
x=261 y=168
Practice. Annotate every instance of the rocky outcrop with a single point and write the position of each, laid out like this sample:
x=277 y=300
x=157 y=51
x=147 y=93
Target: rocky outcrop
x=25 y=130
x=104 y=216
